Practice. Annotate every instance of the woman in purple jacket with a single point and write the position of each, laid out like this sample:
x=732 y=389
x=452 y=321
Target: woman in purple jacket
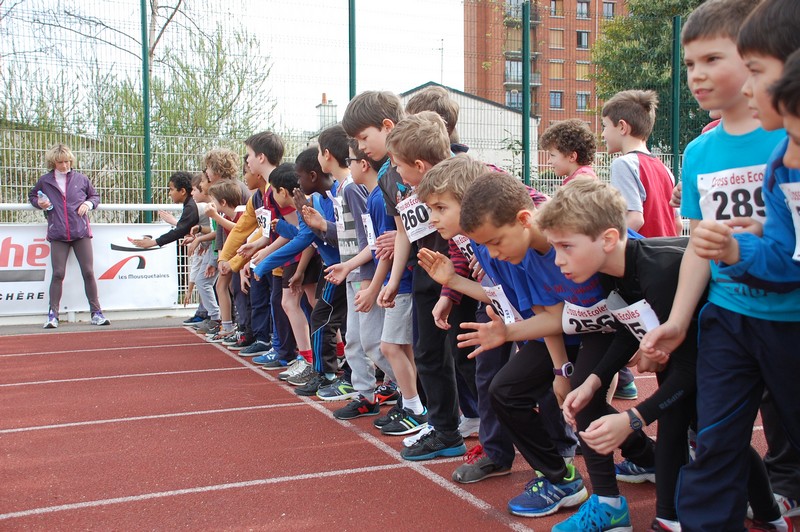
x=66 y=197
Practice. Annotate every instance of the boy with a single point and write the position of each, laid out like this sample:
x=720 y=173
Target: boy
x=362 y=343
x=645 y=183
x=745 y=332
x=180 y=191
x=570 y=146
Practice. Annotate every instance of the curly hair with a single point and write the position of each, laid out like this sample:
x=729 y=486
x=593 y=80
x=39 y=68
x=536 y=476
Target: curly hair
x=223 y=162
x=569 y=136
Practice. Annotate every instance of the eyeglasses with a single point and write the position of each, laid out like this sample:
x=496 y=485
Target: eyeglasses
x=350 y=160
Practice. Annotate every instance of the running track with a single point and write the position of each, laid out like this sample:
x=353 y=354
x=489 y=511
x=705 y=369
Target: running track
x=154 y=428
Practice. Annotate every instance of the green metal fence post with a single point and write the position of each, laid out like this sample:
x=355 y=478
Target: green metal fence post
x=526 y=92
x=148 y=175
x=676 y=95
x=352 y=46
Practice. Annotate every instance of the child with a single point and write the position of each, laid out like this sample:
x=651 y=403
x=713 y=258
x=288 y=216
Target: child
x=570 y=146
x=746 y=333
x=362 y=346
x=67 y=227
x=645 y=183
x=180 y=191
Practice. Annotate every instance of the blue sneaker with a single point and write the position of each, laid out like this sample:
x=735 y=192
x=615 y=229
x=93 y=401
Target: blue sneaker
x=266 y=358
x=541 y=497
x=194 y=319
x=627 y=392
x=595 y=516
x=627 y=471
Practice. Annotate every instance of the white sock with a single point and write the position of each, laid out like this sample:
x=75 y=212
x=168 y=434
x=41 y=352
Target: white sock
x=413 y=404
x=227 y=325
x=780 y=525
x=672 y=525
x=615 y=502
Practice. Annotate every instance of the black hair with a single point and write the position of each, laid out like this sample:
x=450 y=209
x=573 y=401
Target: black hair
x=268 y=143
x=284 y=176
x=786 y=91
x=334 y=139
x=182 y=181
x=307 y=161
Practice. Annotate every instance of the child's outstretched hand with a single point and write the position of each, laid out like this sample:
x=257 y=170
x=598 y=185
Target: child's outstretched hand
x=384 y=245
x=484 y=335
x=577 y=399
x=438 y=266
x=247 y=250
x=211 y=210
x=365 y=299
x=313 y=218
x=145 y=242
x=336 y=274
x=607 y=433
x=661 y=341
x=300 y=200
x=167 y=217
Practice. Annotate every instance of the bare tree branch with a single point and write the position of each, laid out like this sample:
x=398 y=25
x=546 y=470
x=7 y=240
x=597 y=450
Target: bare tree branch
x=78 y=32
x=164 y=27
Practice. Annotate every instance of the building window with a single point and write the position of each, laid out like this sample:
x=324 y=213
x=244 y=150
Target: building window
x=583 y=9
x=514 y=8
x=556 y=38
x=513 y=71
x=556 y=69
x=582 y=71
x=556 y=8
x=582 y=103
x=514 y=99
x=608 y=9
x=583 y=40
x=556 y=100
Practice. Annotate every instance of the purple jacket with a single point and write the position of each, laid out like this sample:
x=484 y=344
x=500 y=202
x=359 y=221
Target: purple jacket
x=63 y=222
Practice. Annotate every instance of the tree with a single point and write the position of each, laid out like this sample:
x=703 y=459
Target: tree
x=635 y=52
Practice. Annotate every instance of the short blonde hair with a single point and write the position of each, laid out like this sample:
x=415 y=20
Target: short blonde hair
x=422 y=136
x=636 y=107
x=438 y=100
x=59 y=152
x=452 y=176
x=223 y=162
x=584 y=206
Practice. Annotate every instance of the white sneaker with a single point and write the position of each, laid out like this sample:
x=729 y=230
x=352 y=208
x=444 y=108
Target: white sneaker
x=788 y=507
x=295 y=367
x=52 y=321
x=468 y=426
x=411 y=440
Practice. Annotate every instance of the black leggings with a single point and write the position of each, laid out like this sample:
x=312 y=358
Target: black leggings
x=59 y=251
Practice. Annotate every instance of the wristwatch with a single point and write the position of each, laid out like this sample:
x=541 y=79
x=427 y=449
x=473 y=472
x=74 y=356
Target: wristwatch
x=565 y=371
x=636 y=423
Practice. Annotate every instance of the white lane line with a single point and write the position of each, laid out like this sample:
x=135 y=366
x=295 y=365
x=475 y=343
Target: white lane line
x=106 y=331
x=418 y=467
x=145 y=418
x=200 y=489
x=125 y=376
x=99 y=349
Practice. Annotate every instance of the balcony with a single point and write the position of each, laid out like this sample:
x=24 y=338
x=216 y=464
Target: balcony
x=515 y=81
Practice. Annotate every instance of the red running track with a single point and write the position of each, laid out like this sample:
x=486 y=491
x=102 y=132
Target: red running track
x=155 y=428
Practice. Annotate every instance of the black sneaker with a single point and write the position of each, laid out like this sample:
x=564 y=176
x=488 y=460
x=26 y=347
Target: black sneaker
x=356 y=408
x=242 y=342
x=313 y=385
x=406 y=423
x=387 y=394
x=395 y=411
x=435 y=444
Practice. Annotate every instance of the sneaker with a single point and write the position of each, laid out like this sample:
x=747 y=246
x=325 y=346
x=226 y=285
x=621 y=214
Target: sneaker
x=256 y=348
x=338 y=390
x=302 y=377
x=313 y=385
x=598 y=517
x=390 y=415
x=218 y=337
x=627 y=471
x=356 y=408
x=232 y=338
x=763 y=526
x=627 y=392
x=242 y=342
x=387 y=394
x=293 y=368
x=52 y=320
x=408 y=441
x=478 y=466
x=468 y=426
x=658 y=526
x=541 y=497
x=209 y=326
x=278 y=363
x=99 y=319
x=435 y=444
x=405 y=422
x=193 y=321
x=788 y=507
x=266 y=358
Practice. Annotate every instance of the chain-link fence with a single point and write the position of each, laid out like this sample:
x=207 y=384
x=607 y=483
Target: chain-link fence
x=71 y=71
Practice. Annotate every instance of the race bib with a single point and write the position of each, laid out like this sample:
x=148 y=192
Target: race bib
x=734 y=192
x=369 y=230
x=338 y=212
x=639 y=318
x=465 y=246
x=416 y=217
x=792 y=192
x=501 y=305
x=264 y=220
x=584 y=320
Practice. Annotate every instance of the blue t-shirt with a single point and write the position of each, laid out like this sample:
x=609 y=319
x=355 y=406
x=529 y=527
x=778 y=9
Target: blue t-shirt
x=381 y=223
x=548 y=285
x=730 y=168
x=511 y=277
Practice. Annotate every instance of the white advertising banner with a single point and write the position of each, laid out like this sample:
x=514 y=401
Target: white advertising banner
x=127 y=277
